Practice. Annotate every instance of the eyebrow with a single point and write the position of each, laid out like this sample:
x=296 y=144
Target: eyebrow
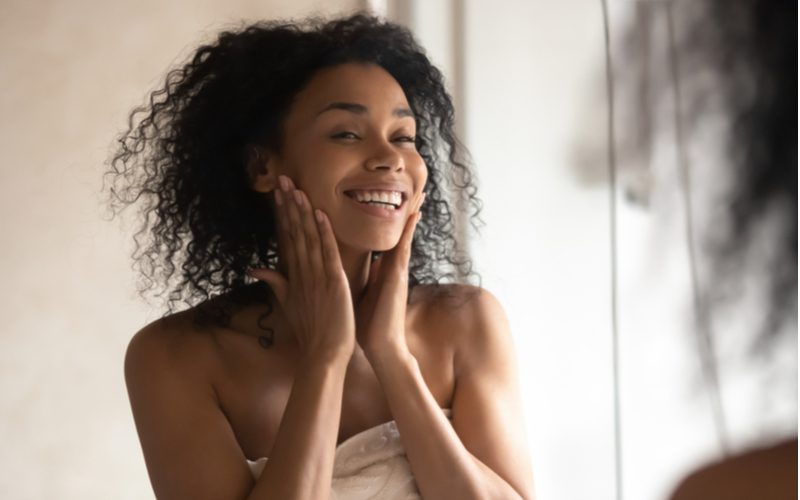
x=360 y=109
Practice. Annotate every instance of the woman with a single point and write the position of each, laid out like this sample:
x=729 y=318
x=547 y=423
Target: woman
x=308 y=157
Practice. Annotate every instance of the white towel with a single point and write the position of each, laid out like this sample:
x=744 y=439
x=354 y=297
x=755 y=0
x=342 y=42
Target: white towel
x=370 y=464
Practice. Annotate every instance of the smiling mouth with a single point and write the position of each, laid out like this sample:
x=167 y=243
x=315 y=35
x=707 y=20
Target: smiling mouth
x=389 y=200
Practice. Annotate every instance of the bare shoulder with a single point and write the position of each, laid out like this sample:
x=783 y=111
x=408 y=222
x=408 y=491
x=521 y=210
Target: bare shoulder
x=189 y=448
x=457 y=305
x=487 y=405
x=764 y=473
x=167 y=357
x=471 y=317
x=169 y=343
x=455 y=300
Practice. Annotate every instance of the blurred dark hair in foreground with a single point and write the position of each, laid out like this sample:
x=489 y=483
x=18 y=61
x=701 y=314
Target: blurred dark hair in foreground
x=742 y=54
x=751 y=45
x=736 y=66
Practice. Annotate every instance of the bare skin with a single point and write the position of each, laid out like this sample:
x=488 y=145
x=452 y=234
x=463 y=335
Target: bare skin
x=768 y=473
x=347 y=352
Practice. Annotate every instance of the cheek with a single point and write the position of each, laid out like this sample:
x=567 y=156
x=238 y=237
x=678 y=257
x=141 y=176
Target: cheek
x=318 y=176
x=419 y=172
x=319 y=187
x=310 y=177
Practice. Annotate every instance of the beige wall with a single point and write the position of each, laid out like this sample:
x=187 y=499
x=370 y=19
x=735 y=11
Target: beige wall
x=69 y=73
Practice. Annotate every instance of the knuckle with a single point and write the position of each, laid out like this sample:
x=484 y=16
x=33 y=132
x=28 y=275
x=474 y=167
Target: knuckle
x=296 y=231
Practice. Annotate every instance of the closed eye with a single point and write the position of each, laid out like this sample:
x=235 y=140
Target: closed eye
x=352 y=135
x=345 y=135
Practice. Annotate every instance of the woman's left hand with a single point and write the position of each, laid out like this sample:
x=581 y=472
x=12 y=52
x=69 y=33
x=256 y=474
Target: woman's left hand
x=381 y=315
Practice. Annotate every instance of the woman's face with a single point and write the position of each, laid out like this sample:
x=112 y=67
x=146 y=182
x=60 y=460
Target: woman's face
x=349 y=145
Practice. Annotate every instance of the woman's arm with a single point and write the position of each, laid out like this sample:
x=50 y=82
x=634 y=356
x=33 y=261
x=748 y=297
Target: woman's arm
x=301 y=462
x=483 y=454
x=189 y=447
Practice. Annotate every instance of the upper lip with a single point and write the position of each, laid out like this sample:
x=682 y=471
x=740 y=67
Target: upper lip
x=380 y=186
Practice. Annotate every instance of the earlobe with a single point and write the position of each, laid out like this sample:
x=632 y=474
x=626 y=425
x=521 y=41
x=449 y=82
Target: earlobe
x=260 y=173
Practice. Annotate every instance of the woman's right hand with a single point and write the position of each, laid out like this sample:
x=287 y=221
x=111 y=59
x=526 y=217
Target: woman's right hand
x=315 y=296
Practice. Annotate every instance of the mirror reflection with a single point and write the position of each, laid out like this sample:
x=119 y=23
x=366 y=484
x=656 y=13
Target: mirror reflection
x=534 y=249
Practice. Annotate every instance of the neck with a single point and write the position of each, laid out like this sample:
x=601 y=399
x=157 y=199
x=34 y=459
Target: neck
x=356 y=267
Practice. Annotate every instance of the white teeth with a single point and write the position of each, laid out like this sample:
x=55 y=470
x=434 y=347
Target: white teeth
x=387 y=206
x=388 y=197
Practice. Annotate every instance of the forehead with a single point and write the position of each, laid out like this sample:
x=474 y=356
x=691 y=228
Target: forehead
x=366 y=84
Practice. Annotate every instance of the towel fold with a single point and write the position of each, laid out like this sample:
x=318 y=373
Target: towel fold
x=370 y=464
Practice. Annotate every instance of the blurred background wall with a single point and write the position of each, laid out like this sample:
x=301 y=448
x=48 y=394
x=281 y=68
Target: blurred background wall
x=528 y=80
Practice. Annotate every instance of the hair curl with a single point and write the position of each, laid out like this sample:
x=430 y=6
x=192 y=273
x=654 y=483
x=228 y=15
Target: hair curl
x=183 y=155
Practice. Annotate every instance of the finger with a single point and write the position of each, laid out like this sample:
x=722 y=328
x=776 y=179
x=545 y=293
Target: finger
x=402 y=252
x=332 y=261
x=420 y=201
x=407 y=238
x=280 y=219
x=312 y=242
x=302 y=272
x=282 y=199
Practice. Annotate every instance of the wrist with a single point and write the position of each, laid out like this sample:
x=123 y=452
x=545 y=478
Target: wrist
x=389 y=354
x=333 y=358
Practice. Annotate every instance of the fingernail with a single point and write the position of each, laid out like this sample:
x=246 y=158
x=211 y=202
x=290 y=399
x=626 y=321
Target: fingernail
x=298 y=198
x=318 y=215
x=278 y=198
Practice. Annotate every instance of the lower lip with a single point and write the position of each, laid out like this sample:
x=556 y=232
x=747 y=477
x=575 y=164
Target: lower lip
x=378 y=211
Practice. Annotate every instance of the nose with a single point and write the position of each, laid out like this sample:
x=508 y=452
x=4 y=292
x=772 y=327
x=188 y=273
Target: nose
x=385 y=157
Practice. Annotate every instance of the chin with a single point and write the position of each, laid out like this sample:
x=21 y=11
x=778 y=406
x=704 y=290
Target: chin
x=374 y=242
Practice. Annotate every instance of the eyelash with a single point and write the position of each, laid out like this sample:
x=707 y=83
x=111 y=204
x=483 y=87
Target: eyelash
x=342 y=135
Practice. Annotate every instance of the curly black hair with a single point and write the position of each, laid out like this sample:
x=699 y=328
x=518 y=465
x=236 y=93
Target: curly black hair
x=184 y=154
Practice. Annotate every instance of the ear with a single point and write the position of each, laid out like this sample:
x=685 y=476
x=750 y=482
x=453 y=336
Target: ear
x=261 y=172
